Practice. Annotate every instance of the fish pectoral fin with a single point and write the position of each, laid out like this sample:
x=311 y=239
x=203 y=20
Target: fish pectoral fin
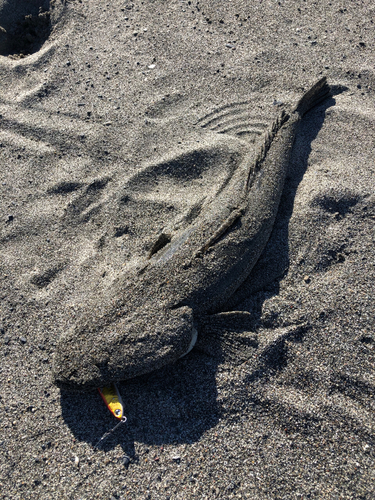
x=221 y=231
x=228 y=336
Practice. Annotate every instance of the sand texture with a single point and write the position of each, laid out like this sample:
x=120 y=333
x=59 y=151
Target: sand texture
x=121 y=123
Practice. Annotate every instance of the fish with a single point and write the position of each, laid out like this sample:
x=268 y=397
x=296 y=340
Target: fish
x=153 y=315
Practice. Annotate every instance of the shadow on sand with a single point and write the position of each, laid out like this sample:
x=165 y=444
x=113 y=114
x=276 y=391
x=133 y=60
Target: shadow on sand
x=24 y=26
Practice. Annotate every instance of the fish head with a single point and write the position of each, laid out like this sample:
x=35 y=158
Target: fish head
x=94 y=354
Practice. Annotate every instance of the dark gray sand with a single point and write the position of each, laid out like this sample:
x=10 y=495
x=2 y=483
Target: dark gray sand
x=277 y=398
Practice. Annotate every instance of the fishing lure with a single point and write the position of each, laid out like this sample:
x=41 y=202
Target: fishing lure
x=112 y=398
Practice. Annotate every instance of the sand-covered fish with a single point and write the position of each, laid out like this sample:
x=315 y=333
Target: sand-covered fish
x=153 y=316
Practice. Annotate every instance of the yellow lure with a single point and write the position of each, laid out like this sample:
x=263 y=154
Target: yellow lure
x=112 y=399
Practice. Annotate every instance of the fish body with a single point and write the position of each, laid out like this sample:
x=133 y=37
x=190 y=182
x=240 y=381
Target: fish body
x=152 y=317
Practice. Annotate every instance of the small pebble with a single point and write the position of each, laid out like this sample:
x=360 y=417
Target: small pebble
x=125 y=461
x=23 y=340
x=306 y=279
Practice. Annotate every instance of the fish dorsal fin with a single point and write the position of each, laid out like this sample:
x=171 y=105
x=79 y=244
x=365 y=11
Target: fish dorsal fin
x=269 y=135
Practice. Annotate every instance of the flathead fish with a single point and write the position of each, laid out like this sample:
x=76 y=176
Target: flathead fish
x=153 y=316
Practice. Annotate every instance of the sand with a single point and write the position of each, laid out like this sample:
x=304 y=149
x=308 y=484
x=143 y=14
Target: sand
x=87 y=106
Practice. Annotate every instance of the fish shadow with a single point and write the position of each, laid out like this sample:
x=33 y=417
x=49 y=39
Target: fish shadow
x=178 y=403
x=173 y=405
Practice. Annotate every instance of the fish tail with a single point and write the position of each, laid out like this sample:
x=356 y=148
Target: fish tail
x=318 y=93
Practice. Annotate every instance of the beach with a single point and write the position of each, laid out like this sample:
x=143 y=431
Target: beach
x=277 y=398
